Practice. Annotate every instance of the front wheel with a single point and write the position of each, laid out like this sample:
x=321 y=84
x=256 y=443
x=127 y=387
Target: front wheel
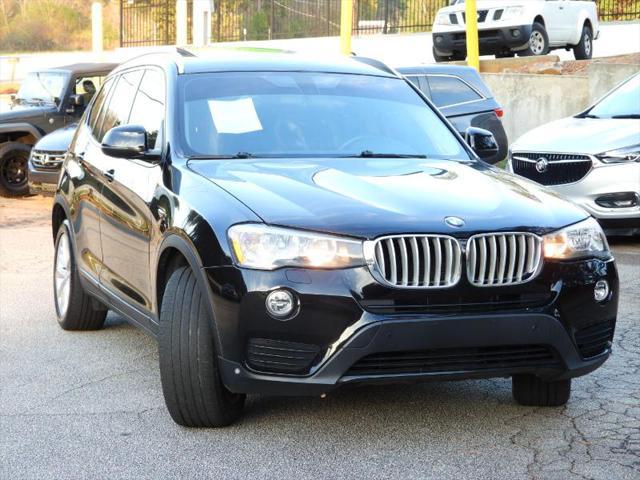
x=13 y=169
x=531 y=391
x=193 y=390
x=584 y=49
x=538 y=42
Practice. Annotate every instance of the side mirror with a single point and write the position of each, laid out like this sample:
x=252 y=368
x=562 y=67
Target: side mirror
x=126 y=141
x=76 y=102
x=482 y=142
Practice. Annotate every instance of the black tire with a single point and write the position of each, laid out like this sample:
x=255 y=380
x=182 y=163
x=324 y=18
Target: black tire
x=14 y=158
x=531 y=391
x=538 y=42
x=191 y=383
x=584 y=49
x=80 y=313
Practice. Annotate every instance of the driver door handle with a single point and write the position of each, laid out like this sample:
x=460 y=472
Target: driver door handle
x=110 y=175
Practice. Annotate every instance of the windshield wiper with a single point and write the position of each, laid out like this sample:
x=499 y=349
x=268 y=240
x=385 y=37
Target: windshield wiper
x=239 y=155
x=587 y=115
x=628 y=115
x=370 y=154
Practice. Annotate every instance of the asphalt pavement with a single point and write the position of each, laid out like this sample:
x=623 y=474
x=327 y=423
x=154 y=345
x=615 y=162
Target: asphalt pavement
x=89 y=405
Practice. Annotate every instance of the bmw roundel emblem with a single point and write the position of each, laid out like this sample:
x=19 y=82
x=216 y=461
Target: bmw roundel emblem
x=454 y=222
x=542 y=164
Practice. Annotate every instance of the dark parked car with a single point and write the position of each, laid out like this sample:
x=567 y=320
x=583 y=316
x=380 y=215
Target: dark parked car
x=46 y=101
x=463 y=98
x=45 y=160
x=289 y=226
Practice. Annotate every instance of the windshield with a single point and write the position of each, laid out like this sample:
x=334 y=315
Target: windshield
x=45 y=87
x=309 y=114
x=624 y=102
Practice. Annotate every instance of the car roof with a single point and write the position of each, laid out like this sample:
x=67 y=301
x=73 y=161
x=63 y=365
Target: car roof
x=232 y=60
x=468 y=74
x=85 y=68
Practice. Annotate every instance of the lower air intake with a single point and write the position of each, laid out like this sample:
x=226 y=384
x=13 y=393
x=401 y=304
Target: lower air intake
x=595 y=339
x=276 y=356
x=455 y=360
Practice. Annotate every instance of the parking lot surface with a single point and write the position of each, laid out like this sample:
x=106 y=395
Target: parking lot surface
x=89 y=405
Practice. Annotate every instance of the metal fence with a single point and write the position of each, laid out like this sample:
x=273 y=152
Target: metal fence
x=613 y=10
x=152 y=22
x=147 y=22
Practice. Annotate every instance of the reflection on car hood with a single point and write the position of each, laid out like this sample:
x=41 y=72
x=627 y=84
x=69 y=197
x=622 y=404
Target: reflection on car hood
x=580 y=135
x=368 y=198
x=57 y=141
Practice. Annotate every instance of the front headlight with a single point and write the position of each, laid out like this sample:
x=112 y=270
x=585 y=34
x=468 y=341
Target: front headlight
x=443 y=19
x=263 y=247
x=584 y=239
x=512 y=12
x=621 y=155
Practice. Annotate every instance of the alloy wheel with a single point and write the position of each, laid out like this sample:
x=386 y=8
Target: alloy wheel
x=63 y=274
x=537 y=43
x=14 y=171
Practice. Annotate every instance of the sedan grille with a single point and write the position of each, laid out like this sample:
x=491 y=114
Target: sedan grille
x=503 y=259
x=47 y=160
x=552 y=169
x=424 y=261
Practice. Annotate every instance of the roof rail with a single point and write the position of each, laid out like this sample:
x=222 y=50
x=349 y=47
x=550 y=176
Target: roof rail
x=376 y=64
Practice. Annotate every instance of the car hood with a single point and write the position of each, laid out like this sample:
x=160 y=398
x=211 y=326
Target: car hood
x=57 y=141
x=367 y=198
x=481 y=5
x=589 y=136
x=8 y=111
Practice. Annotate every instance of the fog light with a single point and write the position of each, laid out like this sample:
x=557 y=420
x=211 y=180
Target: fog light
x=515 y=33
x=439 y=39
x=619 y=200
x=281 y=304
x=601 y=291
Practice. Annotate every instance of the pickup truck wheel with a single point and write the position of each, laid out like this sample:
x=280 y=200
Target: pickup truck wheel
x=584 y=49
x=531 y=391
x=75 y=309
x=13 y=169
x=538 y=42
x=193 y=390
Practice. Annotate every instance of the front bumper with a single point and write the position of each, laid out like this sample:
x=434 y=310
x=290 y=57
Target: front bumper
x=352 y=320
x=492 y=41
x=601 y=181
x=42 y=181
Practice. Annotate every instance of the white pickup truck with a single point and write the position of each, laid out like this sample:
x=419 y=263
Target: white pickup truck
x=523 y=27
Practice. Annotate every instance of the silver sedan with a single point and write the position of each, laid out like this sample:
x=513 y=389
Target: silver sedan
x=592 y=158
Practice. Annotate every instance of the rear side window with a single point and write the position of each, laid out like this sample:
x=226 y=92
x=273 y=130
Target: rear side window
x=148 y=107
x=97 y=105
x=117 y=113
x=447 y=91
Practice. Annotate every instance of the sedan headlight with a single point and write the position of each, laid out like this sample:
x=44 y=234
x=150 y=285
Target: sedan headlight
x=512 y=12
x=621 y=155
x=584 y=239
x=263 y=247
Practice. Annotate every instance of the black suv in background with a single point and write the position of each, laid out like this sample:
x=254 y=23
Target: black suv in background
x=46 y=101
x=463 y=98
x=287 y=226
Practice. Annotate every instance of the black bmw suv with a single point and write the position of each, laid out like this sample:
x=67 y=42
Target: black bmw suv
x=288 y=226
